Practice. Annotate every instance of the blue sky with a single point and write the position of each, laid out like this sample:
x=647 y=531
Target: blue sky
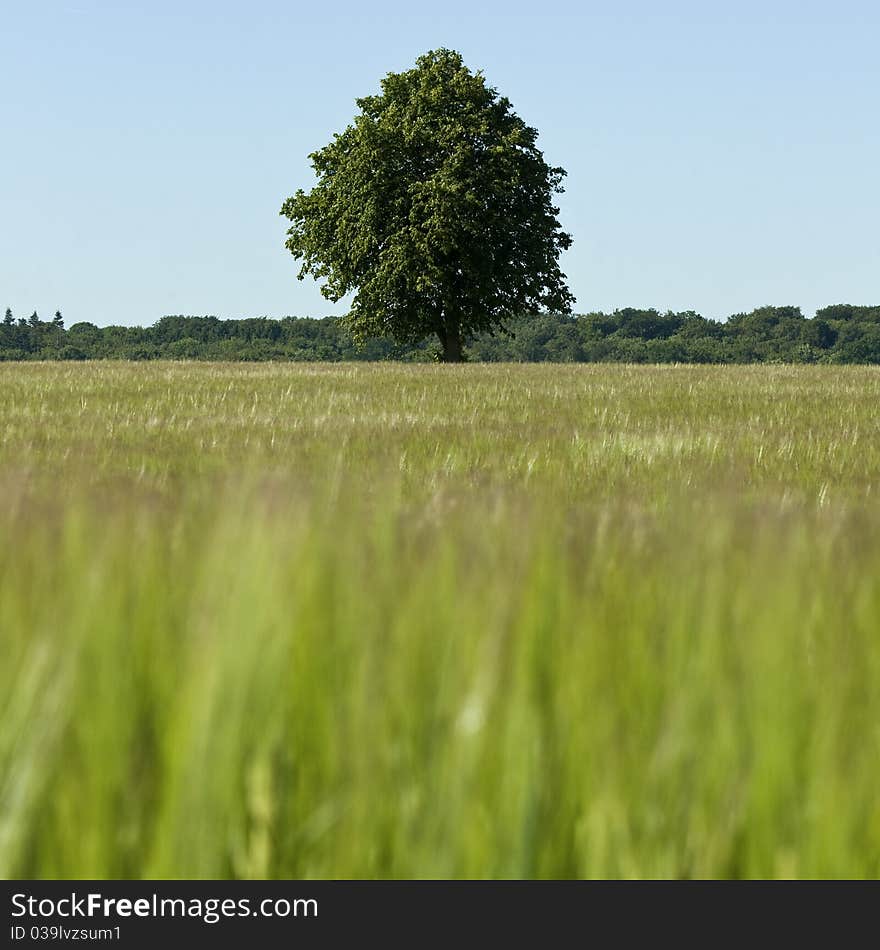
x=719 y=156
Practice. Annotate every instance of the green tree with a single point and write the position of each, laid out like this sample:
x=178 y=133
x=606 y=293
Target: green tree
x=435 y=208
x=8 y=320
x=58 y=321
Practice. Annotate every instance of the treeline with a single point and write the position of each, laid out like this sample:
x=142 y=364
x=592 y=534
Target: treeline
x=838 y=334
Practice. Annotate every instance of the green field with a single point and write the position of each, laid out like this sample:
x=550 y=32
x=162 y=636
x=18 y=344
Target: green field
x=422 y=621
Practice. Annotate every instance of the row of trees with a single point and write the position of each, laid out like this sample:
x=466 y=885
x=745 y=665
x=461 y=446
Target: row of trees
x=30 y=335
x=837 y=334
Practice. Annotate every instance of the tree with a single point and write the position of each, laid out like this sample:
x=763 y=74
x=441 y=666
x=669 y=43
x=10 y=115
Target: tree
x=58 y=321
x=8 y=320
x=435 y=208
x=34 y=321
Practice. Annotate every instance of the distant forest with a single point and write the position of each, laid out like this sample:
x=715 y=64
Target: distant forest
x=837 y=334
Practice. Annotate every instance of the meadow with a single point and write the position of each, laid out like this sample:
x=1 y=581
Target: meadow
x=378 y=620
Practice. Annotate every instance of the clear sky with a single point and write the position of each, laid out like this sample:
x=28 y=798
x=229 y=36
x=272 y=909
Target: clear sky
x=720 y=156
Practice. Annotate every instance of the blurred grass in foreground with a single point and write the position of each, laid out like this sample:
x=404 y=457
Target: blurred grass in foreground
x=439 y=622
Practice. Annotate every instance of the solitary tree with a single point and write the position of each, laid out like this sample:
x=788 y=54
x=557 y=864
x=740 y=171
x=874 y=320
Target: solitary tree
x=435 y=207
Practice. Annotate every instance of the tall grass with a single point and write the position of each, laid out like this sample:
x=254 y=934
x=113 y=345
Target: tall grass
x=375 y=621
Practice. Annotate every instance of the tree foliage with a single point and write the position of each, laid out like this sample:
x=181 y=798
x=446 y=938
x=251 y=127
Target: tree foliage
x=838 y=334
x=435 y=209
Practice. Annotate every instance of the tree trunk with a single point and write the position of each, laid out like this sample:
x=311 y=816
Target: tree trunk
x=450 y=340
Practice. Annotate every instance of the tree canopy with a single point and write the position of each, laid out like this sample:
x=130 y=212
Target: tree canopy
x=435 y=209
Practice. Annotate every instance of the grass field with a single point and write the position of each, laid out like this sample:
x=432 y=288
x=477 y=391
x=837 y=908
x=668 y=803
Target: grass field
x=422 y=621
